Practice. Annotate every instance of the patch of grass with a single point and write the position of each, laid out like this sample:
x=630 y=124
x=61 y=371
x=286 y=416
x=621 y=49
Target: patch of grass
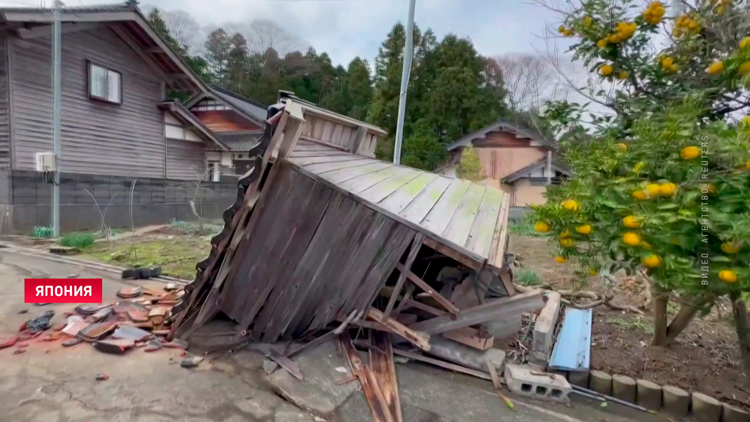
x=523 y=228
x=638 y=323
x=193 y=227
x=78 y=240
x=527 y=277
x=177 y=257
x=42 y=232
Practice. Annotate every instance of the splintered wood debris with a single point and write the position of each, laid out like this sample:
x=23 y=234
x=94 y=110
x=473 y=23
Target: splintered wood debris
x=325 y=242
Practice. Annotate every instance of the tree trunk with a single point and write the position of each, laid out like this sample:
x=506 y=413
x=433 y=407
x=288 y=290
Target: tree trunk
x=661 y=298
x=688 y=311
x=742 y=324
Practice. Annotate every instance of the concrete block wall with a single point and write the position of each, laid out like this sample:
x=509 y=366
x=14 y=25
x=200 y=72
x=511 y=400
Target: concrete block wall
x=25 y=199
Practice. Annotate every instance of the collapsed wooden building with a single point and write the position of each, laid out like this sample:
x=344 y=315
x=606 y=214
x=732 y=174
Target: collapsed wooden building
x=324 y=235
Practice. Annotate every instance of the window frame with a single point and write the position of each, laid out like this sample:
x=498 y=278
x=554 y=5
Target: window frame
x=92 y=96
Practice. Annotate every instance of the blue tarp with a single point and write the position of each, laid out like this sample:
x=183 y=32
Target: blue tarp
x=572 y=351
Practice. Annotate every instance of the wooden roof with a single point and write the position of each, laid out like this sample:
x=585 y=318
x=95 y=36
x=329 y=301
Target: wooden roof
x=466 y=217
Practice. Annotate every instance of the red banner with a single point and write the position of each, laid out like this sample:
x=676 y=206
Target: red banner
x=63 y=290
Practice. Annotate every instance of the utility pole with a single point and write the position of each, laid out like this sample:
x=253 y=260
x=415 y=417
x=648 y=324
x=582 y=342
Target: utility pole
x=56 y=108
x=408 y=52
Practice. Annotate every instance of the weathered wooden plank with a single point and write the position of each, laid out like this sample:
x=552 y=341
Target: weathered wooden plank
x=324 y=167
x=327 y=131
x=342 y=175
x=382 y=266
x=496 y=309
x=317 y=160
x=388 y=186
x=402 y=197
x=499 y=238
x=316 y=267
x=429 y=290
x=302 y=218
x=336 y=136
x=297 y=153
x=454 y=253
x=416 y=245
x=442 y=364
x=460 y=225
x=384 y=369
x=440 y=215
x=416 y=338
x=375 y=398
x=350 y=279
x=418 y=209
x=362 y=182
x=480 y=236
x=318 y=126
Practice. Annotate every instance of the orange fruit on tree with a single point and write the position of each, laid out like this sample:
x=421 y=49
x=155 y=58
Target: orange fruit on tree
x=640 y=195
x=541 y=227
x=731 y=247
x=622 y=147
x=566 y=242
x=631 y=222
x=715 y=68
x=584 y=229
x=565 y=233
x=632 y=239
x=606 y=70
x=561 y=259
x=653 y=190
x=667 y=189
x=690 y=153
x=651 y=261
x=728 y=276
x=570 y=205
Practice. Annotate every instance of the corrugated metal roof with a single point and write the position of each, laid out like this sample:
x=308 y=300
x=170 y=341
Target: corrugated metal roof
x=464 y=216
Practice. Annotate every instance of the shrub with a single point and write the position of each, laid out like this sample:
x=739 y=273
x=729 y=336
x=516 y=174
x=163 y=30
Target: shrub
x=78 y=240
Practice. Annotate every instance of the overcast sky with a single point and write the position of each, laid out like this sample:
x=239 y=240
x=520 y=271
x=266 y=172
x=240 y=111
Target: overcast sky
x=349 y=28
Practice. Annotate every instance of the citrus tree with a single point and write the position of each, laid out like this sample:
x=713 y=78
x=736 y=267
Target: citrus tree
x=662 y=184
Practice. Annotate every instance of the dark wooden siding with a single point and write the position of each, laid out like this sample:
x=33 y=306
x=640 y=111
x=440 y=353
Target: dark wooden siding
x=225 y=121
x=186 y=160
x=5 y=150
x=97 y=138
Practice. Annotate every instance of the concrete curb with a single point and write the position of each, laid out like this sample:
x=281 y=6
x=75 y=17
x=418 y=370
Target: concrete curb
x=667 y=399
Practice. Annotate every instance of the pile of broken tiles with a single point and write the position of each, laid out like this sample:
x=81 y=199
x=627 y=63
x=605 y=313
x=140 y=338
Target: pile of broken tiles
x=139 y=320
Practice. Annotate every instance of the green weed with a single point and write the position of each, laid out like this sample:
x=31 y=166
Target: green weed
x=638 y=323
x=78 y=240
x=527 y=278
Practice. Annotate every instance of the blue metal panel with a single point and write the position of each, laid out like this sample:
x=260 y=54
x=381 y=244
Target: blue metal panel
x=572 y=351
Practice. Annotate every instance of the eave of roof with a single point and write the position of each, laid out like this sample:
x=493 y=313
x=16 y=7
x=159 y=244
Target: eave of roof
x=186 y=116
x=315 y=109
x=556 y=166
x=501 y=125
x=215 y=94
x=104 y=13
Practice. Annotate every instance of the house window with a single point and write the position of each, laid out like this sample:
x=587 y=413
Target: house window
x=105 y=84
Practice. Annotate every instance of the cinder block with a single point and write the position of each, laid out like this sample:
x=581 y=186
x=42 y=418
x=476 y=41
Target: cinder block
x=527 y=382
x=544 y=328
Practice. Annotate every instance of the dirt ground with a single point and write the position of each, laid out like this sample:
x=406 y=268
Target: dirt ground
x=705 y=357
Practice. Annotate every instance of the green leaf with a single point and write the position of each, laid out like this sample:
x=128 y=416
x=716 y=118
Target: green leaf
x=669 y=206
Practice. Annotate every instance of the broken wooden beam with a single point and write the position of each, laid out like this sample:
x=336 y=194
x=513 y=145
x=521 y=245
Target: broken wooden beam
x=496 y=309
x=442 y=364
x=417 y=338
x=384 y=369
x=415 y=246
x=450 y=307
x=470 y=337
x=373 y=394
x=544 y=328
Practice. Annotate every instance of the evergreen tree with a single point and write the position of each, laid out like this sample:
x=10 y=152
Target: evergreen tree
x=358 y=88
x=237 y=63
x=470 y=168
x=218 y=48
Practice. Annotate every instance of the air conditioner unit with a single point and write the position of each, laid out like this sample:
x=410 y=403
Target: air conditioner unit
x=45 y=161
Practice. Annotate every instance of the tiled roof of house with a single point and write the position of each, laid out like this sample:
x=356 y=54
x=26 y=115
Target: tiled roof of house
x=240 y=141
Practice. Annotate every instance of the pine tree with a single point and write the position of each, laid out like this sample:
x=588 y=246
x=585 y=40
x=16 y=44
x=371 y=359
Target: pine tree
x=237 y=63
x=470 y=168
